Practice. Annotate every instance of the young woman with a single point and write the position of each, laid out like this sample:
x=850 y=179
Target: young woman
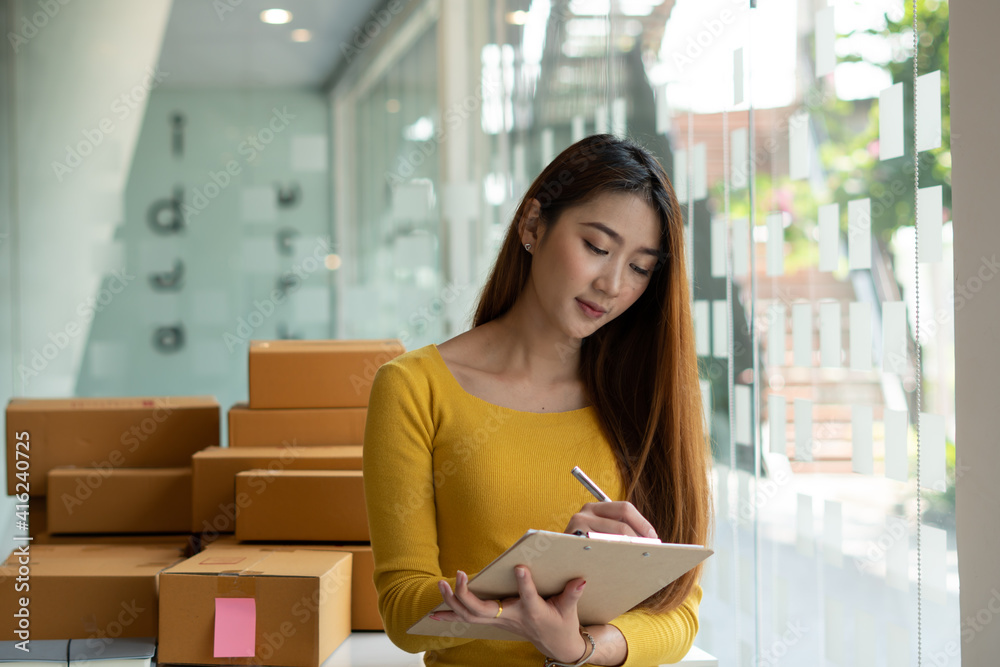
x=582 y=353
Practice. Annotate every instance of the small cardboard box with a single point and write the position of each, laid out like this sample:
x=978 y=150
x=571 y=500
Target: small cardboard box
x=364 y=595
x=303 y=427
x=214 y=499
x=120 y=500
x=153 y=432
x=79 y=591
x=316 y=373
x=302 y=505
x=300 y=609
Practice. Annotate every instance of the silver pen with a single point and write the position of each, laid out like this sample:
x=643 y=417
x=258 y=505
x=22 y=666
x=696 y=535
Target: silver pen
x=589 y=484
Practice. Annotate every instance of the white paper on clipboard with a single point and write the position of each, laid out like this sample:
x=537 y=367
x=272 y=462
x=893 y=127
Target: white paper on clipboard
x=621 y=571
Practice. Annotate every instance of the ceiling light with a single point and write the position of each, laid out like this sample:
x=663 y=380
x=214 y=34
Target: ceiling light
x=301 y=35
x=275 y=16
x=520 y=17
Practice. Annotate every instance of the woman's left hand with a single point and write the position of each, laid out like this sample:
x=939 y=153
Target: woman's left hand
x=552 y=625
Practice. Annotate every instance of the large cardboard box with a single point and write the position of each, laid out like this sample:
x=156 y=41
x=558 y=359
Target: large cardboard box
x=303 y=427
x=153 y=432
x=214 y=500
x=120 y=500
x=316 y=373
x=81 y=591
x=302 y=505
x=364 y=595
x=186 y=544
x=301 y=606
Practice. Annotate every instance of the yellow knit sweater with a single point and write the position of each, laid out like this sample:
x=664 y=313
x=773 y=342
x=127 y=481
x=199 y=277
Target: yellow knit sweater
x=452 y=480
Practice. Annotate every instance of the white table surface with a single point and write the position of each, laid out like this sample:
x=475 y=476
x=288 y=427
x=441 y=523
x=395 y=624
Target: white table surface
x=373 y=649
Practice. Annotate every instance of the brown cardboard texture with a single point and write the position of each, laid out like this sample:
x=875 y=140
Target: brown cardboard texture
x=81 y=591
x=302 y=505
x=185 y=543
x=303 y=427
x=364 y=595
x=120 y=500
x=153 y=432
x=214 y=497
x=316 y=373
x=302 y=605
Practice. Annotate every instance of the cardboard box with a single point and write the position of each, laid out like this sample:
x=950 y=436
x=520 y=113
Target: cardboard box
x=214 y=500
x=301 y=606
x=79 y=591
x=302 y=505
x=364 y=595
x=38 y=516
x=120 y=500
x=154 y=432
x=316 y=373
x=303 y=427
x=185 y=543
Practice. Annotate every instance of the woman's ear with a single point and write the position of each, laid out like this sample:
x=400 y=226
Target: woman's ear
x=528 y=226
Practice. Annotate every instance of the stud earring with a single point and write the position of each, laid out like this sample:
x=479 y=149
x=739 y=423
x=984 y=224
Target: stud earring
x=527 y=246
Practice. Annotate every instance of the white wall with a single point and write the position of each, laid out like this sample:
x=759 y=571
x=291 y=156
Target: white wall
x=975 y=145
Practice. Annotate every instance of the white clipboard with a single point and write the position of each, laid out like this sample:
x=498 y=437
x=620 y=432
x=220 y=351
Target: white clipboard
x=621 y=572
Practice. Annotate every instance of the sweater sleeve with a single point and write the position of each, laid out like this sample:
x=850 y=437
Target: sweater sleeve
x=655 y=639
x=397 y=470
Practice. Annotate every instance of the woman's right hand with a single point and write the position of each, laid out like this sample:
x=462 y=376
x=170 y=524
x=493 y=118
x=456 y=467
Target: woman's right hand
x=618 y=517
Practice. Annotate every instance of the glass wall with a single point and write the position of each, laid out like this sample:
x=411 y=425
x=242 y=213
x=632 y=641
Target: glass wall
x=788 y=130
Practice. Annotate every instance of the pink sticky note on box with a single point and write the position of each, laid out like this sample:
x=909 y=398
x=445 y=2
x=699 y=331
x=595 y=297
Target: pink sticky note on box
x=235 y=627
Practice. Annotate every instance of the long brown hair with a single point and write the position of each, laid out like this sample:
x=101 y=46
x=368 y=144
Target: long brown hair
x=640 y=370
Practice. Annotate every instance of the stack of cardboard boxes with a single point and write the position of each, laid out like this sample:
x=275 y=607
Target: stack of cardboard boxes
x=278 y=566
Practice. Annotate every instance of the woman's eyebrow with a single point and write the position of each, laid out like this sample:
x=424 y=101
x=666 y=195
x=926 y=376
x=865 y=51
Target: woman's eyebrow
x=616 y=237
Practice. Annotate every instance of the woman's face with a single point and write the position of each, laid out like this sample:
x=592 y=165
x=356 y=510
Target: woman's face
x=601 y=253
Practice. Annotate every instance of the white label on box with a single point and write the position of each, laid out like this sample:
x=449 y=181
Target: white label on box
x=932 y=452
x=775 y=244
x=862 y=422
x=859 y=233
x=803 y=429
x=829 y=236
x=894 y=337
x=929 y=111
x=930 y=214
x=776 y=334
x=861 y=335
x=890 y=122
x=896 y=464
x=777 y=418
x=802 y=334
x=720 y=329
x=829 y=334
